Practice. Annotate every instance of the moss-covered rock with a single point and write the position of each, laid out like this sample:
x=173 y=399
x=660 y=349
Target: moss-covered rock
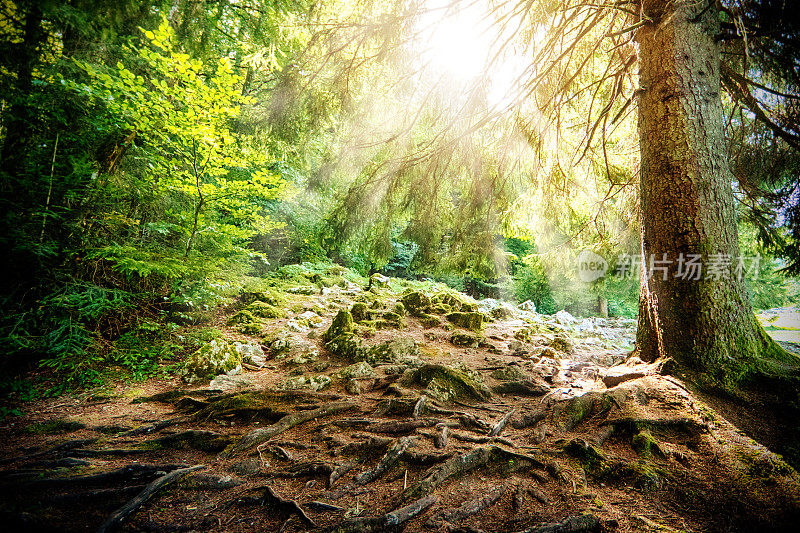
x=645 y=444
x=342 y=324
x=378 y=280
x=298 y=358
x=503 y=312
x=245 y=322
x=242 y=317
x=352 y=386
x=446 y=383
x=466 y=340
x=550 y=353
x=271 y=297
x=357 y=371
x=509 y=373
x=388 y=324
x=359 y=311
x=400 y=350
x=455 y=301
x=562 y=343
x=312 y=383
x=217 y=357
x=430 y=321
x=471 y=321
x=348 y=346
x=416 y=303
x=265 y=310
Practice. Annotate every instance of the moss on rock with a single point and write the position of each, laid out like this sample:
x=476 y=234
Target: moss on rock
x=466 y=340
x=416 y=303
x=562 y=343
x=216 y=357
x=357 y=371
x=430 y=321
x=509 y=373
x=644 y=444
x=447 y=383
x=471 y=320
x=313 y=383
x=359 y=311
x=265 y=310
x=342 y=324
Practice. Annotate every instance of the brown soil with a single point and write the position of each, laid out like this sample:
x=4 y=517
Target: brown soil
x=646 y=455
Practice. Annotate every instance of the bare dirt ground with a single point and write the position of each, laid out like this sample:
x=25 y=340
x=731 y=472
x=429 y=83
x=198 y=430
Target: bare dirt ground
x=527 y=434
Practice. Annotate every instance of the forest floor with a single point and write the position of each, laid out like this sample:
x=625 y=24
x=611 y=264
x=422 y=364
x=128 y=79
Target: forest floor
x=528 y=423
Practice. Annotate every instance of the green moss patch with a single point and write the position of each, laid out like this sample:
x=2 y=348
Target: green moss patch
x=447 y=383
x=471 y=321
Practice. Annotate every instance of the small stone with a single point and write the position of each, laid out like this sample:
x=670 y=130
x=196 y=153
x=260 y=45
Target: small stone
x=564 y=318
x=357 y=370
x=378 y=280
x=314 y=383
x=550 y=353
x=352 y=386
x=465 y=339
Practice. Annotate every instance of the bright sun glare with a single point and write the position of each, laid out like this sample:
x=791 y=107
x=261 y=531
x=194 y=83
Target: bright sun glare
x=457 y=41
x=460 y=40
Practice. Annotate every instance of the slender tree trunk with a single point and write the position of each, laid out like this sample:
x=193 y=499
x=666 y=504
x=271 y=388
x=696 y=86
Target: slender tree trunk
x=18 y=117
x=706 y=326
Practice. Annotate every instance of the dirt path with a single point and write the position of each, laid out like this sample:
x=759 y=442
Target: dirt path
x=513 y=430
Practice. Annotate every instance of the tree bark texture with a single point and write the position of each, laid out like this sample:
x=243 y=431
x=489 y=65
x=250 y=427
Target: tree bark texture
x=706 y=326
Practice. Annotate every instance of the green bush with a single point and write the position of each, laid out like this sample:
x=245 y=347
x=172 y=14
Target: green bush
x=530 y=282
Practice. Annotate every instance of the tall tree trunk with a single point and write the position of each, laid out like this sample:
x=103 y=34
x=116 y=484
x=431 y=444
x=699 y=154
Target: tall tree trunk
x=705 y=326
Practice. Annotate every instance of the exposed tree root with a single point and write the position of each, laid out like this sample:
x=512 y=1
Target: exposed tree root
x=118 y=517
x=339 y=471
x=525 y=387
x=391 y=458
x=501 y=424
x=261 y=435
x=440 y=439
x=144 y=430
x=574 y=524
x=206 y=441
x=305 y=469
x=470 y=507
x=389 y=520
x=529 y=419
x=371 y=445
x=461 y=464
x=403 y=426
x=131 y=473
x=284 y=506
x=107 y=452
x=55 y=450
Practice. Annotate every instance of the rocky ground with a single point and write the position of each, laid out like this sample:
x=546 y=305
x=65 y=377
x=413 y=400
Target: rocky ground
x=336 y=406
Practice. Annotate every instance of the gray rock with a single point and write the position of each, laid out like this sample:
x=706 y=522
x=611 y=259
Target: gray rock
x=313 y=383
x=357 y=371
x=565 y=318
